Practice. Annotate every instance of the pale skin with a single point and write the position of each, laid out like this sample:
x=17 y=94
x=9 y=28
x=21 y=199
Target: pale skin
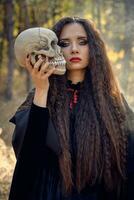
x=73 y=41
x=73 y=44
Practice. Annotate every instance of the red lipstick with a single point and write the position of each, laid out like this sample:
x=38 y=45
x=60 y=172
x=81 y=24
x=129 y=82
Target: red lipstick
x=75 y=59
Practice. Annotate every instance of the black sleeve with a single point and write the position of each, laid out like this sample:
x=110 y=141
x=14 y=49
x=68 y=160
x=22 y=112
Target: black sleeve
x=128 y=108
x=20 y=119
x=130 y=152
x=130 y=166
x=129 y=122
x=36 y=130
x=32 y=156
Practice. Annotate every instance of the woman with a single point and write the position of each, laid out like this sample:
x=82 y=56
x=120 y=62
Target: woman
x=72 y=138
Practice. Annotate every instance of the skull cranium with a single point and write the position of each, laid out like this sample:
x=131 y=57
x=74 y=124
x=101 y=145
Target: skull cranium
x=39 y=41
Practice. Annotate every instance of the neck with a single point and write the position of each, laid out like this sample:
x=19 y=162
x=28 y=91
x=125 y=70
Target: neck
x=76 y=76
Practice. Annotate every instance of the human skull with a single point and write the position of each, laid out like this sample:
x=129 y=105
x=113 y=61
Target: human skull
x=39 y=41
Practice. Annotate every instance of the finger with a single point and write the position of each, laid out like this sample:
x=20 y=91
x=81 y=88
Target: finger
x=44 y=67
x=28 y=66
x=37 y=65
x=47 y=74
x=47 y=59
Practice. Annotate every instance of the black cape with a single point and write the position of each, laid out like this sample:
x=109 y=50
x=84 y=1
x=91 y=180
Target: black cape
x=36 y=146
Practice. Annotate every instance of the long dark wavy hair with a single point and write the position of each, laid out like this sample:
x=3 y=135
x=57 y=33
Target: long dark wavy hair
x=101 y=141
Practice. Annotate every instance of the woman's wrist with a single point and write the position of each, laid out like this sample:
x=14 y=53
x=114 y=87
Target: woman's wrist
x=40 y=97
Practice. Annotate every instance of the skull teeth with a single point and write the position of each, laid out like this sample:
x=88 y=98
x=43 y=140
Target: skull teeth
x=58 y=62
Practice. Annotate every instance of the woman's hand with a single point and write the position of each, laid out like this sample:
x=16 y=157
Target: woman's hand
x=38 y=74
x=40 y=79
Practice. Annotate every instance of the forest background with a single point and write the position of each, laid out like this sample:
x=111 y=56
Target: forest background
x=114 y=19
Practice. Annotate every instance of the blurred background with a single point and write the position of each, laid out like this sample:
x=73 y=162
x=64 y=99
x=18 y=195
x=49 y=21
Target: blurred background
x=114 y=19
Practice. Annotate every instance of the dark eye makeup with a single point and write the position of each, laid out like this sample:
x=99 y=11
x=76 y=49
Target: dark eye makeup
x=83 y=42
x=63 y=43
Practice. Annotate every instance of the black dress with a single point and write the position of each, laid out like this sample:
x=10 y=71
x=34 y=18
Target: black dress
x=37 y=175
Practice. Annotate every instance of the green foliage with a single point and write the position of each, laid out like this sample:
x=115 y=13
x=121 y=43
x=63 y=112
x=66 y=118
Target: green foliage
x=114 y=19
x=109 y=16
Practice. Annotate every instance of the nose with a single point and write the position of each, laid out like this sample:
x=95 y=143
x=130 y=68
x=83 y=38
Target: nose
x=74 y=48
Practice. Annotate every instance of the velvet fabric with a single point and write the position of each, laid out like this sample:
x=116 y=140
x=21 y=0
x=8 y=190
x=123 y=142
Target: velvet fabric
x=37 y=175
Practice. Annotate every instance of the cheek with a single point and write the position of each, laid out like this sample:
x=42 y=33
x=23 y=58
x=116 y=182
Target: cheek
x=88 y=53
x=65 y=53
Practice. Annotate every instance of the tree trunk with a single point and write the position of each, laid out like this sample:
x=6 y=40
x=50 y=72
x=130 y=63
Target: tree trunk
x=1 y=37
x=8 y=7
x=128 y=44
x=1 y=50
x=24 y=23
x=98 y=14
x=93 y=9
x=27 y=25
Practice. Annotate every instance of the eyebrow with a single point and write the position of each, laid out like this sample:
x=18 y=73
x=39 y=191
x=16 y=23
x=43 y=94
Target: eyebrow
x=79 y=37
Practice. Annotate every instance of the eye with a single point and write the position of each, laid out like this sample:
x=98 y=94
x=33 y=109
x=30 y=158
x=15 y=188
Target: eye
x=83 y=42
x=63 y=43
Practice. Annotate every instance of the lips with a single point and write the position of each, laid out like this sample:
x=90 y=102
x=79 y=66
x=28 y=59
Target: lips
x=75 y=59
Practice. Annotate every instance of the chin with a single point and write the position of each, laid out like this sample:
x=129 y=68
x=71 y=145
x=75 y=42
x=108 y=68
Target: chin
x=75 y=67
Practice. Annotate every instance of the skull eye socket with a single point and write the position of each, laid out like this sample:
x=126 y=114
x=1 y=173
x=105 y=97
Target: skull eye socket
x=53 y=43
